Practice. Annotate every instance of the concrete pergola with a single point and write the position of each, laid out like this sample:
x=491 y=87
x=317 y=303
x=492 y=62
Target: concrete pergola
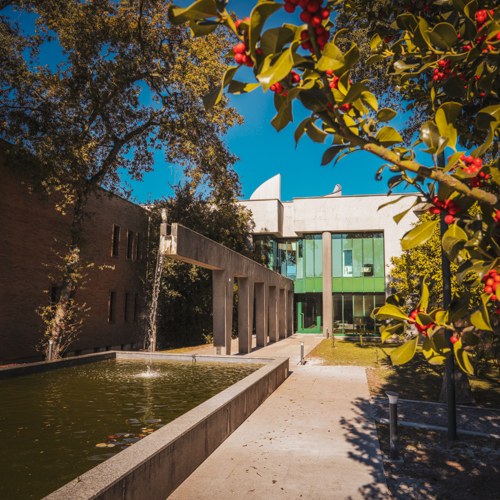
x=272 y=292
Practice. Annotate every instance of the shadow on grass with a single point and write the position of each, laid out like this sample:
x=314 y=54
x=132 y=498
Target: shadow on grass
x=421 y=381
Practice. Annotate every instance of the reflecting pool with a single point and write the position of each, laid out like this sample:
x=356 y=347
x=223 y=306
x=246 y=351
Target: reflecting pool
x=59 y=424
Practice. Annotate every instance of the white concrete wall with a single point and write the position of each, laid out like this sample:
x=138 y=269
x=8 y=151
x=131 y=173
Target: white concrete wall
x=335 y=214
x=267 y=215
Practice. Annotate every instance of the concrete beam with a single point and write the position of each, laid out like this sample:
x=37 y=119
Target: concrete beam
x=188 y=246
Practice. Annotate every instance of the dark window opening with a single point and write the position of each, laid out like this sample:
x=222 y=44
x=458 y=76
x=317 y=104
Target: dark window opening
x=112 y=307
x=115 y=246
x=138 y=246
x=126 y=307
x=136 y=307
x=130 y=244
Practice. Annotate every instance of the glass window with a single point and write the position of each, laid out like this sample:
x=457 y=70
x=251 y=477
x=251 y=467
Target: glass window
x=115 y=243
x=347 y=263
x=309 y=257
x=337 y=261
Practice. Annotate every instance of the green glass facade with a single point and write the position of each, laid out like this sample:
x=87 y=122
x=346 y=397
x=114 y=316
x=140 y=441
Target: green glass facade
x=358 y=279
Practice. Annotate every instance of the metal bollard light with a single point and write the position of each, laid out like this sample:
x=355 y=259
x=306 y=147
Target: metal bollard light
x=51 y=343
x=302 y=353
x=393 y=424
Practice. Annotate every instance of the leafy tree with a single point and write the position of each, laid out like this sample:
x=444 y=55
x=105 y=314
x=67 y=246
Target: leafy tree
x=126 y=83
x=443 y=56
x=424 y=262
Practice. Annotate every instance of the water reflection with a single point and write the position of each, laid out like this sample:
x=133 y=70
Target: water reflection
x=55 y=426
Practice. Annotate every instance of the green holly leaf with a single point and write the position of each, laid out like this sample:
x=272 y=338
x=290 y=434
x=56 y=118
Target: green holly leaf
x=419 y=234
x=284 y=115
x=236 y=87
x=211 y=99
x=446 y=117
x=277 y=68
x=388 y=331
x=423 y=304
x=388 y=136
x=405 y=352
x=454 y=240
x=386 y=115
x=330 y=154
x=202 y=28
x=198 y=10
x=331 y=58
x=390 y=311
x=480 y=318
x=463 y=358
x=315 y=133
x=300 y=130
x=258 y=17
x=432 y=355
x=274 y=39
x=443 y=36
x=487 y=116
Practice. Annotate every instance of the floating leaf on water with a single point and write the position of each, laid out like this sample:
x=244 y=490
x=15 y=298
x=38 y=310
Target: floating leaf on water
x=132 y=421
x=153 y=420
x=111 y=445
x=149 y=430
x=101 y=445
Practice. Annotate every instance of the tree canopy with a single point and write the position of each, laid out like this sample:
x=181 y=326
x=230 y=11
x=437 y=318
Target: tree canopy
x=91 y=89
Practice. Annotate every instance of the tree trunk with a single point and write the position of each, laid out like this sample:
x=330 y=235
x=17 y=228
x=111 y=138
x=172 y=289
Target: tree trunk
x=463 y=392
x=59 y=331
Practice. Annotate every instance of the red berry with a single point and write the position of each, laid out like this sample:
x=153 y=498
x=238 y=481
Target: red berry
x=316 y=21
x=240 y=48
x=290 y=8
x=313 y=6
x=488 y=289
x=305 y=16
x=454 y=339
x=325 y=13
x=239 y=58
x=449 y=219
x=345 y=107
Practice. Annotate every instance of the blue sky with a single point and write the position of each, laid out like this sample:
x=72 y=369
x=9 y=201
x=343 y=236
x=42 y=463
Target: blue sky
x=263 y=152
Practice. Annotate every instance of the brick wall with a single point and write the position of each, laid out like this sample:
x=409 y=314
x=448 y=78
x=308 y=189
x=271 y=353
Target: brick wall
x=31 y=229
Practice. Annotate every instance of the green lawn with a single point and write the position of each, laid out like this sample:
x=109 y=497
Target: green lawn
x=414 y=380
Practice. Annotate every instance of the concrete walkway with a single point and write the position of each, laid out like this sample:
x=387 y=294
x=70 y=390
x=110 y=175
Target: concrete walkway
x=311 y=439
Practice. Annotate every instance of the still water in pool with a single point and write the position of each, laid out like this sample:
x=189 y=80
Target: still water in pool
x=56 y=425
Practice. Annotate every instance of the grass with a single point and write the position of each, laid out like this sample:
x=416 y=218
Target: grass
x=350 y=353
x=414 y=380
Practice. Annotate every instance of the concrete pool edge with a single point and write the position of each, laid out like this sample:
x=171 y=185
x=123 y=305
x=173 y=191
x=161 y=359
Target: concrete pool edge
x=159 y=463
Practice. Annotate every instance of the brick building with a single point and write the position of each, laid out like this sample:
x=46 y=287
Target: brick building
x=115 y=236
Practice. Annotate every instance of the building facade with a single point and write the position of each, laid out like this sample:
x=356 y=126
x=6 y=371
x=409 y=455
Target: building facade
x=336 y=248
x=115 y=241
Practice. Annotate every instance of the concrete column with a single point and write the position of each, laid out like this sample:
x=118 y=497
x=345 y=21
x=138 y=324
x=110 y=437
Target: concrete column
x=245 y=314
x=327 y=284
x=289 y=313
x=261 y=313
x=222 y=311
x=282 y=313
x=273 y=314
